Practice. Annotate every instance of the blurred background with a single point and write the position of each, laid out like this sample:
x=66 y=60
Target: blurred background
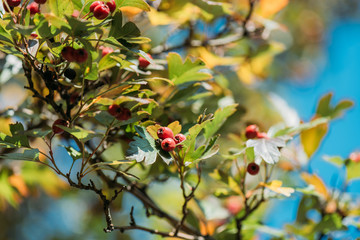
x=322 y=55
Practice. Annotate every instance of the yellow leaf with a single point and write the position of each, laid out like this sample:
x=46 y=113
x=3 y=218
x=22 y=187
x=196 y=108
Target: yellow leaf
x=5 y=125
x=268 y=8
x=311 y=138
x=276 y=186
x=152 y=130
x=175 y=127
x=130 y=12
x=319 y=185
x=211 y=60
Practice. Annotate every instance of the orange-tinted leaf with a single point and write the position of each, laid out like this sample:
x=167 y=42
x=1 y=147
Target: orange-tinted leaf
x=317 y=183
x=268 y=8
x=18 y=182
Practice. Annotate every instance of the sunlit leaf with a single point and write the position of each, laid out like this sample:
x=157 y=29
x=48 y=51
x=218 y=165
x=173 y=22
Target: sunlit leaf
x=276 y=186
x=317 y=183
x=266 y=149
x=311 y=138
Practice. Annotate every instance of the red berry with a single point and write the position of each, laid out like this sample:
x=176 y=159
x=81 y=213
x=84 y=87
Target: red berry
x=253 y=168
x=114 y=109
x=124 y=114
x=165 y=132
x=101 y=11
x=234 y=204
x=143 y=63
x=168 y=144
x=40 y=1
x=68 y=53
x=33 y=8
x=106 y=50
x=94 y=5
x=112 y=5
x=75 y=14
x=81 y=55
x=6 y=7
x=13 y=3
x=59 y=122
x=355 y=157
x=251 y=131
x=179 y=138
x=262 y=135
x=33 y=36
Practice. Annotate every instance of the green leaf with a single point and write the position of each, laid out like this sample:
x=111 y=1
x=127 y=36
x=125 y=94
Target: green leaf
x=133 y=3
x=26 y=155
x=330 y=223
x=340 y=107
x=107 y=62
x=215 y=8
x=353 y=170
x=302 y=127
x=143 y=148
x=323 y=108
x=93 y=73
x=61 y=7
x=18 y=138
x=38 y=132
x=219 y=119
x=337 y=160
x=181 y=72
x=80 y=133
x=73 y=153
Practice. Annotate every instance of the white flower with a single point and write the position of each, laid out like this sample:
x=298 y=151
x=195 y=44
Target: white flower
x=267 y=148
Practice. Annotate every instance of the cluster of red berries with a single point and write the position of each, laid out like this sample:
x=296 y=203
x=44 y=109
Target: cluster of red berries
x=168 y=141
x=143 y=63
x=74 y=55
x=252 y=131
x=120 y=113
x=59 y=122
x=101 y=9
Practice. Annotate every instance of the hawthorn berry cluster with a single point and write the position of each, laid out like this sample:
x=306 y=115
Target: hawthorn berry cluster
x=33 y=7
x=168 y=140
x=252 y=131
x=74 y=55
x=119 y=112
x=101 y=9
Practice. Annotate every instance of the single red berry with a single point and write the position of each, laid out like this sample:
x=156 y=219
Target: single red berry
x=355 y=157
x=33 y=8
x=59 y=122
x=262 y=135
x=124 y=114
x=253 y=168
x=112 y=5
x=251 y=131
x=13 y=3
x=165 y=132
x=6 y=7
x=40 y=1
x=68 y=53
x=179 y=138
x=81 y=55
x=234 y=204
x=75 y=14
x=101 y=11
x=143 y=63
x=168 y=144
x=94 y=5
x=114 y=109
x=74 y=98
x=106 y=50
x=33 y=36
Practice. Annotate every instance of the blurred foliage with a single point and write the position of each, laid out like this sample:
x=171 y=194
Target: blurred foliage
x=207 y=59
